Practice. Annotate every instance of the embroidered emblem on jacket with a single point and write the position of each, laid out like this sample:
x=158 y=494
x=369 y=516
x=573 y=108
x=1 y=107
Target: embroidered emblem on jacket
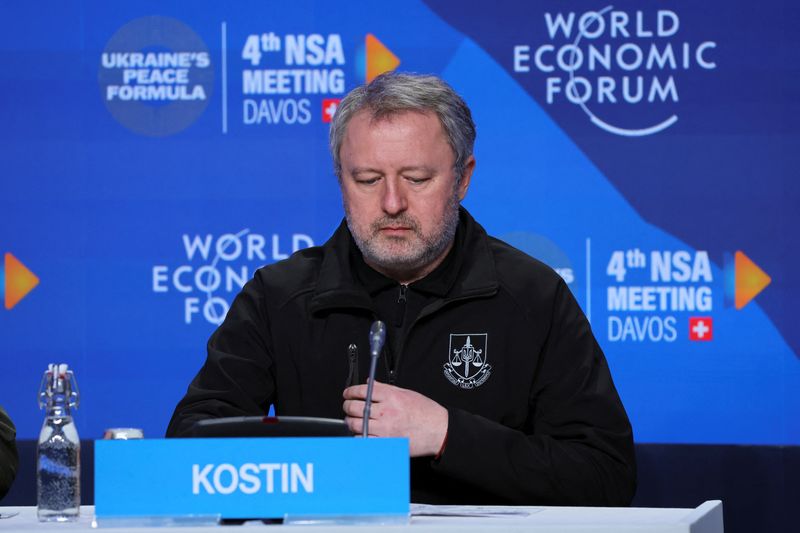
x=467 y=365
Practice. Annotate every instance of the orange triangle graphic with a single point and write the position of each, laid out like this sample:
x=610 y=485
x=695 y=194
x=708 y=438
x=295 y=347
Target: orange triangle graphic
x=749 y=279
x=19 y=280
x=379 y=58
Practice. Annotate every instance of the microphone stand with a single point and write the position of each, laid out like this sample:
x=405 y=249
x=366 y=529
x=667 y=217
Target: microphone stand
x=377 y=337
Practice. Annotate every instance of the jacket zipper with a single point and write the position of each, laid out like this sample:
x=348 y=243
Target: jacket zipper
x=400 y=311
x=399 y=317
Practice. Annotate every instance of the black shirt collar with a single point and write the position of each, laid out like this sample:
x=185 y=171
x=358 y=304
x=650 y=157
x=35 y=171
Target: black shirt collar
x=436 y=283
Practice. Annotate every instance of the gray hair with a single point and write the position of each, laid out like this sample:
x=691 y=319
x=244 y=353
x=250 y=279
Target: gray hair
x=392 y=93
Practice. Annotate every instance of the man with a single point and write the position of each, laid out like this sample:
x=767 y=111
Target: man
x=490 y=368
x=9 y=458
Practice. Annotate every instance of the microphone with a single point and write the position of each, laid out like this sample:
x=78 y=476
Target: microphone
x=377 y=338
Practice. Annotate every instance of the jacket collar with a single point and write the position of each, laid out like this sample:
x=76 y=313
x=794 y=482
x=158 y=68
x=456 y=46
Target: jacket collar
x=470 y=272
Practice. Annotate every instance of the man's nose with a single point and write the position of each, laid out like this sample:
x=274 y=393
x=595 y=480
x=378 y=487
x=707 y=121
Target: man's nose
x=394 y=199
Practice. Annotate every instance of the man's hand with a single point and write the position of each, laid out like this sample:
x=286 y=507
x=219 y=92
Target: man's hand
x=397 y=412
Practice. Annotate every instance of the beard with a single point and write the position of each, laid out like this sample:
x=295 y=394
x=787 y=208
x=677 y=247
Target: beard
x=408 y=255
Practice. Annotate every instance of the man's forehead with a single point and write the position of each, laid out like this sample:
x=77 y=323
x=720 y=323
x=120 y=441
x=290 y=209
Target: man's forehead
x=371 y=119
x=368 y=120
x=390 y=115
x=406 y=138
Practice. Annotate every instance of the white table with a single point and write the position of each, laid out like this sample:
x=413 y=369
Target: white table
x=707 y=518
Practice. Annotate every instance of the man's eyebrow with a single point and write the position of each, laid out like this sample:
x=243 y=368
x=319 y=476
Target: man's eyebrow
x=410 y=168
x=364 y=170
x=418 y=168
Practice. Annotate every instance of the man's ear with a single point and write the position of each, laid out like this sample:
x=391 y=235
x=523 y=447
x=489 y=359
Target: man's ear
x=463 y=185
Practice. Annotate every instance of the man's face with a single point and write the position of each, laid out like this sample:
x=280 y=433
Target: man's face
x=399 y=191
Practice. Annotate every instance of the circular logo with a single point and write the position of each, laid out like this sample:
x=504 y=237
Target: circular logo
x=544 y=250
x=155 y=76
x=611 y=60
x=629 y=57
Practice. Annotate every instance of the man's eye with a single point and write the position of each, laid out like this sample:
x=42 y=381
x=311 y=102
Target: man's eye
x=367 y=181
x=417 y=180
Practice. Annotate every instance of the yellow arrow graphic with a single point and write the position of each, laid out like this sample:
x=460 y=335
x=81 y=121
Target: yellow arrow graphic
x=379 y=58
x=19 y=280
x=749 y=279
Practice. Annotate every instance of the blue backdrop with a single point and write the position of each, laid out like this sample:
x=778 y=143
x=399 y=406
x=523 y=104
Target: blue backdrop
x=154 y=154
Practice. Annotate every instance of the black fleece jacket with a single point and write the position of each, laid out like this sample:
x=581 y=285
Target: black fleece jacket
x=9 y=458
x=497 y=338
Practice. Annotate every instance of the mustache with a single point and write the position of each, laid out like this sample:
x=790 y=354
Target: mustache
x=403 y=219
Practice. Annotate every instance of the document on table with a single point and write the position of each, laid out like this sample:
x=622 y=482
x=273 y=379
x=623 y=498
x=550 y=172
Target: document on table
x=484 y=511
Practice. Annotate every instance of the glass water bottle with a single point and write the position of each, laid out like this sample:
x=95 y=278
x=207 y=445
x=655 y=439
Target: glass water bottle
x=58 y=465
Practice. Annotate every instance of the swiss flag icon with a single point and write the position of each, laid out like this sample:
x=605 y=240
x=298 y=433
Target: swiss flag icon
x=701 y=328
x=329 y=106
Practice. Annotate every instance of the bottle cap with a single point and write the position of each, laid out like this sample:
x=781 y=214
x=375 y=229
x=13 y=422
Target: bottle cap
x=123 y=434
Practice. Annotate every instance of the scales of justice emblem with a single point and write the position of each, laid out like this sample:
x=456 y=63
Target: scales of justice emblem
x=467 y=365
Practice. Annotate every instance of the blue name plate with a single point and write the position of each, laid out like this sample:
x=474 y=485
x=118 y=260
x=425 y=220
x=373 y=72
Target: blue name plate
x=252 y=477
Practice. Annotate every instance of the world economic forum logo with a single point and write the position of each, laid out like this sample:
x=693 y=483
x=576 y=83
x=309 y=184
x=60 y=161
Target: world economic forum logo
x=156 y=76
x=610 y=60
x=216 y=267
